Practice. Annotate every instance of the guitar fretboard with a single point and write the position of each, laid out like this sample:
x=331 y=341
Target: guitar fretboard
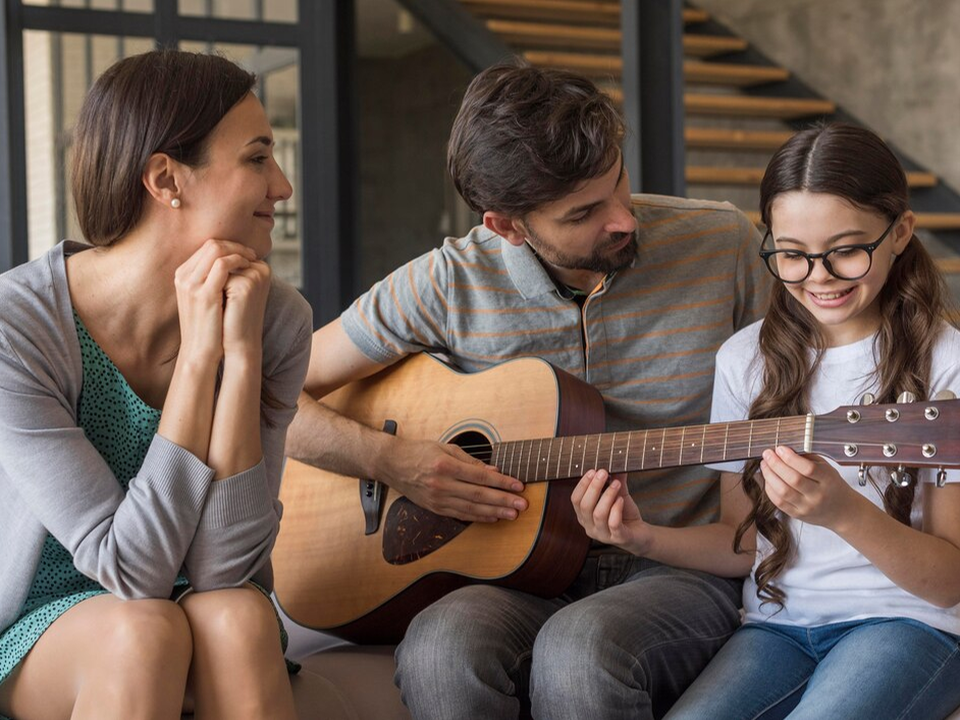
x=558 y=458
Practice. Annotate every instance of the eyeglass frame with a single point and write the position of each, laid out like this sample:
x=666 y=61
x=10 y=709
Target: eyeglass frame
x=810 y=257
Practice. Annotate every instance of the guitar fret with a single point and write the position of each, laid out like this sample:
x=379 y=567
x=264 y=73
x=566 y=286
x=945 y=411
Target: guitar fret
x=643 y=457
x=778 y=432
x=613 y=446
x=596 y=463
x=559 y=455
x=583 y=460
x=626 y=462
x=683 y=435
x=726 y=434
x=663 y=441
x=543 y=460
x=750 y=441
x=703 y=442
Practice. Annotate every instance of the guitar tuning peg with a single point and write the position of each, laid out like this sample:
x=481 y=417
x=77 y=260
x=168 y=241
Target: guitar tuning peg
x=945 y=395
x=900 y=477
x=868 y=399
x=862 y=475
x=941 y=477
x=906 y=397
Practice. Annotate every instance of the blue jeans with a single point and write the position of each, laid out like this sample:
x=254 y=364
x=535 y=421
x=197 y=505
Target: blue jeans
x=623 y=642
x=876 y=668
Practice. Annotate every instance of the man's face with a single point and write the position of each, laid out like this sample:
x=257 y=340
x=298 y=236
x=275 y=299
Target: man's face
x=592 y=228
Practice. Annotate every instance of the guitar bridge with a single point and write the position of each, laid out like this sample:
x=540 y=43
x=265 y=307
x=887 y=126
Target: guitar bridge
x=372 y=493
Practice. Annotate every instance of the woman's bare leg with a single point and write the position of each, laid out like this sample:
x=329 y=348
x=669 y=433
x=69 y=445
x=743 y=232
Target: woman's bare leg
x=105 y=657
x=238 y=669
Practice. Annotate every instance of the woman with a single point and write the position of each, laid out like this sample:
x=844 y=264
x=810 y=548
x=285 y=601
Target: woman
x=146 y=384
x=852 y=603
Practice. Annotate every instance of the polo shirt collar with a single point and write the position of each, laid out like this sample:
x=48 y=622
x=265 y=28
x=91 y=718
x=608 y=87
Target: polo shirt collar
x=527 y=274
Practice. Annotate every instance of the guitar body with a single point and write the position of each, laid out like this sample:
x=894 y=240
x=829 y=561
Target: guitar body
x=331 y=576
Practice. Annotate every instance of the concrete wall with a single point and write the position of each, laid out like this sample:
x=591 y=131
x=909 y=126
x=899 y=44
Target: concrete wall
x=407 y=201
x=894 y=64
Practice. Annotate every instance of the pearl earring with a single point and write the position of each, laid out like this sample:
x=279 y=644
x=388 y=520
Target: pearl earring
x=175 y=203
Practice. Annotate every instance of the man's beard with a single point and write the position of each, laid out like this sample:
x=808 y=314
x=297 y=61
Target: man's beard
x=599 y=261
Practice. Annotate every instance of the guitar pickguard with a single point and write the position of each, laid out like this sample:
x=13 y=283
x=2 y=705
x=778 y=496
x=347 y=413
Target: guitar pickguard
x=411 y=532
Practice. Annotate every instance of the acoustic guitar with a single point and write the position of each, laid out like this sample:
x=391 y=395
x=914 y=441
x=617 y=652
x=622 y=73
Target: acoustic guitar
x=356 y=559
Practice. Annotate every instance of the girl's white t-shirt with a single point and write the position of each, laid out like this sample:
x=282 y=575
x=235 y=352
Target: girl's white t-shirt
x=828 y=581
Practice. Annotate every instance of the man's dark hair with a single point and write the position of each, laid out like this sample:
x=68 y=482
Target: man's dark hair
x=525 y=137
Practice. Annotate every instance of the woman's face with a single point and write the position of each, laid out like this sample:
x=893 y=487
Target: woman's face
x=847 y=310
x=233 y=195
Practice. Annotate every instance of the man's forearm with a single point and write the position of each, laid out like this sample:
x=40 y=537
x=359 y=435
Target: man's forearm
x=326 y=439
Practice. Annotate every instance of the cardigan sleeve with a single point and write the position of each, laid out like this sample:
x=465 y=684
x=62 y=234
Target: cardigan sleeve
x=241 y=516
x=134 y=543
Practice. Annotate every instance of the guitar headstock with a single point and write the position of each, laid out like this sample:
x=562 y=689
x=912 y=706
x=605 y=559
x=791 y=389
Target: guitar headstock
x=920 y=434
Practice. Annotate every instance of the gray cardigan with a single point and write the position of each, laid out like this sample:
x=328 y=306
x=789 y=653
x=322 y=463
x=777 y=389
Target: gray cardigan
x=173 y=517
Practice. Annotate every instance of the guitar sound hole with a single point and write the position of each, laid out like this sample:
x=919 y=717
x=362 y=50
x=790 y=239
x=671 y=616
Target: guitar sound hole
x=474 y=444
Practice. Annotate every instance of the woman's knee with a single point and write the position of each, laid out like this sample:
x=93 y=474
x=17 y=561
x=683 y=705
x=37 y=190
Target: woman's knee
x=142 y=631
x=232 y=617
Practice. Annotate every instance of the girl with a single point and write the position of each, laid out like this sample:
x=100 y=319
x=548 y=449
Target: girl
x=146 y=385
x=852 y=602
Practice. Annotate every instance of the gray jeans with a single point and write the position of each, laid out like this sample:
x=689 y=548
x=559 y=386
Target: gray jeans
x=623 y=642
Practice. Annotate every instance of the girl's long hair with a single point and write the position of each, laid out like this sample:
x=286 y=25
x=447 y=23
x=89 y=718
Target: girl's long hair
x=854 y=164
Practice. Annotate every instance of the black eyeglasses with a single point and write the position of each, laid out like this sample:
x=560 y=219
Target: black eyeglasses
x=845 y=262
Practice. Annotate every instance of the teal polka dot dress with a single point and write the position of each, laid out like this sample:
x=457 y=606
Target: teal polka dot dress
x=121 y=427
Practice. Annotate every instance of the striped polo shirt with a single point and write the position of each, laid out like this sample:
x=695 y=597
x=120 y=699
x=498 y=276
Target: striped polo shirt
x=646 y=337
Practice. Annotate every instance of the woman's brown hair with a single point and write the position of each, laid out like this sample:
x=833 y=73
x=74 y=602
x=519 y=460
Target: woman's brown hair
x=854 y=164
x=165 y=101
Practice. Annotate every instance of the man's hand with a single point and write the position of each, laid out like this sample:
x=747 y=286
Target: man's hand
x=446 y=480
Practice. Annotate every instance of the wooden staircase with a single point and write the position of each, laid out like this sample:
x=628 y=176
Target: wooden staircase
x=730 y=134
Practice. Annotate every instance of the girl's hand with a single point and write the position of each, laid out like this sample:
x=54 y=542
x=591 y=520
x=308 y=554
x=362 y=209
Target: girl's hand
x=609 y=514
x=245 y=295
x=807 y=488
x=200 y=284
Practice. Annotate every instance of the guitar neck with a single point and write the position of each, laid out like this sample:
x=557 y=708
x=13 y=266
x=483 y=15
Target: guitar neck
x=569 y=457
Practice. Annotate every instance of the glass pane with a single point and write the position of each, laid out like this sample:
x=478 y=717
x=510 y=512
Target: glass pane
x=140 y=6
x=58 y=70
x=277 y=70
x=270 y=10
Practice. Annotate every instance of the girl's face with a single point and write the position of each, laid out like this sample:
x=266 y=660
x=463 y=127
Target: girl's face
x=233 y=195
x=847 y=310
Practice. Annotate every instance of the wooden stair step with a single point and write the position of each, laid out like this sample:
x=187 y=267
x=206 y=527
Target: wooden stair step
x=536 y=34
x=723 y=175
x=938 y=221
x=693 y=70
x=710 y=45
x=925 y=221
x=705 y=175
x=753 y=106
x=595 y=38
x=579 y=62
x=732 y=139
x=583 y=11
x=745 y=105
x=948 y=266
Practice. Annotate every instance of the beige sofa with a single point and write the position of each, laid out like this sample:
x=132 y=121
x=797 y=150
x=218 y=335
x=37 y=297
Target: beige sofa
x=341 y=681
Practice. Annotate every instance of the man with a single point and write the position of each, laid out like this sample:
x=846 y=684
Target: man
x=631 y=295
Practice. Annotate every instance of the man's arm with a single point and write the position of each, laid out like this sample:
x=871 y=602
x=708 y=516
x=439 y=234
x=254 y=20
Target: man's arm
x=441 y=478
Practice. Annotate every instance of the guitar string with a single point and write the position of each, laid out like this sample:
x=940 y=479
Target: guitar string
x=734 y=436
x=731 y=447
